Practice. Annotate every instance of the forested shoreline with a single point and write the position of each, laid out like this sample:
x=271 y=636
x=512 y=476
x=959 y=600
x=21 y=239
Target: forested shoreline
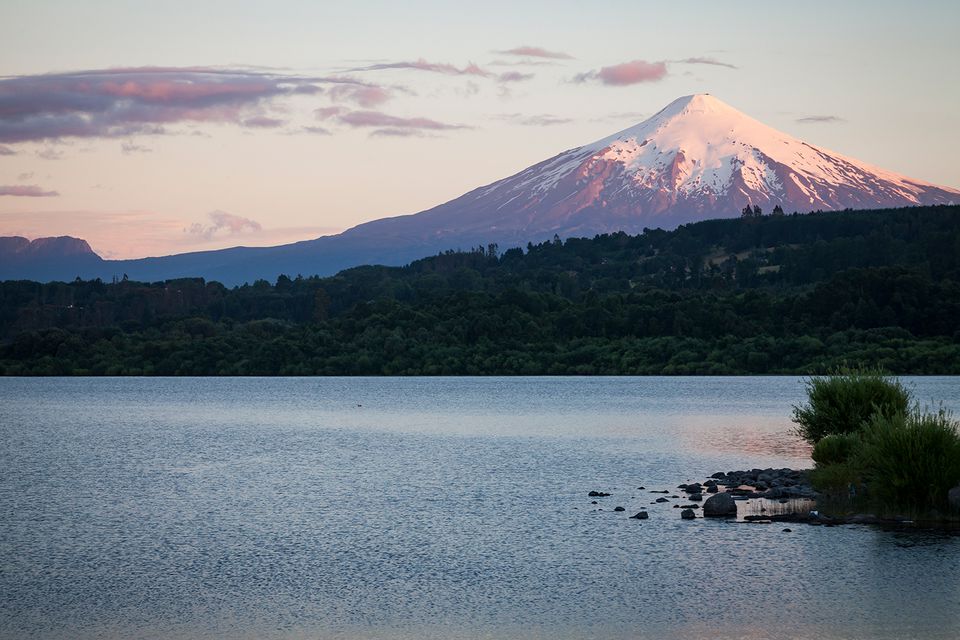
x=795 y=294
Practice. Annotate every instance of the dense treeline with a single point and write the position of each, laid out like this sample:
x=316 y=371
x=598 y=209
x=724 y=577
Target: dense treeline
x=774 y=294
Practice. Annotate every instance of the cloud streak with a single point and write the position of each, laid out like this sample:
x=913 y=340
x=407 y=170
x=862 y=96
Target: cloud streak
x=536 y=52
x=7 y=151
x=433 y=67
x=820 y=119
x=111 y=103
x=386 y=125
x=627 y=73
x=704 y=60
x=541 y=120
x=26 y=191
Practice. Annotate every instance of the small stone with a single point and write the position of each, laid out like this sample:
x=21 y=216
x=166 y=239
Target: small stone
x=712 y=488
x=619 y=509
x=788 y=530
x=640 y=515
x=662 y=500
x=696 y=497
x=597 y=494
x=688 y=514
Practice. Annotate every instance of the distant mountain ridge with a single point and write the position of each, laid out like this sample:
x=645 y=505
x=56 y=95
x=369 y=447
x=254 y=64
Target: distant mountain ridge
x=697 y=158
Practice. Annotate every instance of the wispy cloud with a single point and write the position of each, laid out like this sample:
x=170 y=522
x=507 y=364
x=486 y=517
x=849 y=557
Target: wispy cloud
x=820 y=119
x=363 y=95
x=317 y=131
x=433 y=67
x=223 y=223
x=325 y=113
x=26 y=190
x=49 y=153
x=380 y=120
x=262 y=122
x=705 y=60
x=633 y=72
x=121 y=102
x=540 y=120
x=514 y=76
x=129 y=147
x=7 y=151
x=536 y=52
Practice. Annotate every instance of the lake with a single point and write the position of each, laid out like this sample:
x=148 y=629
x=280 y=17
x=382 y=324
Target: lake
x=430 y=508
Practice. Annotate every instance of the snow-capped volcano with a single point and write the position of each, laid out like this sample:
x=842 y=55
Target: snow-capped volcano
x=696 y=158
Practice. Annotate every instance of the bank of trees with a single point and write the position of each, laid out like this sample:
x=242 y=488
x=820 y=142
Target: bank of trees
x=776 y=294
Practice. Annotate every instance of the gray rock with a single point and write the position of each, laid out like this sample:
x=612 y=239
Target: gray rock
x=696 y=497
x=619 y=509
x=597 y=494
x=712 y=488
x=953 y=498
x=640 y=515
x=662 y=500
x=720 y=505
x=688 y=514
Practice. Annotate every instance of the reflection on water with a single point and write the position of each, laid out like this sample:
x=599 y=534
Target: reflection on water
x=428 y=508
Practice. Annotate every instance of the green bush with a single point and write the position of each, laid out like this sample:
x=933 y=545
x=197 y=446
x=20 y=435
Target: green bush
x=842 y=403
x=835 y=480
x=911 y=460
x=835 y=449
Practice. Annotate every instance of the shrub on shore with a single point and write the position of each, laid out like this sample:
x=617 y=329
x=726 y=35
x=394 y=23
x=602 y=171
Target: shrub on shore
x=911 y=460
x=841 y=404
x=835 y=448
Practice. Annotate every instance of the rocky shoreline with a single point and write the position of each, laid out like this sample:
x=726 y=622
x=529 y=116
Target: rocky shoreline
x=775 y=495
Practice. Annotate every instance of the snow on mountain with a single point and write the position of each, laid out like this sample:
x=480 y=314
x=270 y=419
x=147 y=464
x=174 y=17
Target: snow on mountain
x=696 y=158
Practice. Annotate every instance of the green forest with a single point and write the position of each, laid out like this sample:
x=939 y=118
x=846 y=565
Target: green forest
x=798 y=294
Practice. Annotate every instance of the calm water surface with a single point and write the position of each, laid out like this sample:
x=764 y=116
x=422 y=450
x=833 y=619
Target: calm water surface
x=429 y=508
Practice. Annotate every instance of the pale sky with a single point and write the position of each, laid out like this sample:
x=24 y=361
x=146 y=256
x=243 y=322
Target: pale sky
x=156 y=128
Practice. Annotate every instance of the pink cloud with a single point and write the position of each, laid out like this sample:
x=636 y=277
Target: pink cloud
x=537 y=52
x=628 y=73
x=434 y=67
x=125 y=102
x=7 y=151
x=222 y=222
x=26 y=190
x=363 y=95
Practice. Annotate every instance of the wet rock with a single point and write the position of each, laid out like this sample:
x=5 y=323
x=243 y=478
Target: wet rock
x=788 y=530
x=718 y=475
x=696 y=497
x=641 y=488
x=619 y=509
x=688 y=514
x=597 y=494
x=662 y=500
x=657 y=491
x=696 y=487
x=688 y=506
x=593 y=502
x=712 y=488
x=720 y=505
x=640 y=515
